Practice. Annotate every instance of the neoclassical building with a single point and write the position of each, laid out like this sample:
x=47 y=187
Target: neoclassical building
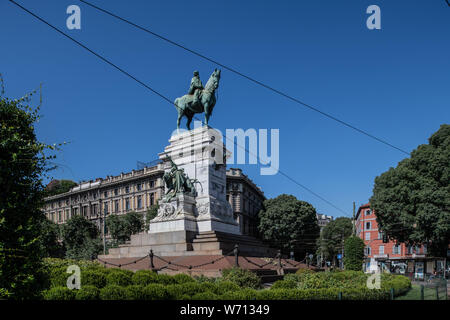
x=138 y=190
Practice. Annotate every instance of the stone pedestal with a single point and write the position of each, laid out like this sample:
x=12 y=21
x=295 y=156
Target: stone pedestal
x=201 y=153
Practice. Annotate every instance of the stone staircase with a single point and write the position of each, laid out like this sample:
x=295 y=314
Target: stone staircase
x=225 y=242
x=204 y=243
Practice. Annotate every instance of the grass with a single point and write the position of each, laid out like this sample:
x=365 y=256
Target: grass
x=414 y=294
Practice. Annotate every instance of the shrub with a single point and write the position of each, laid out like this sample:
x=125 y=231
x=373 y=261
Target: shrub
x=88 y=292
x=203 y=278
x=243 y=278
x=59 y=293
x=135 y=292
x=354 y=253
x=165 y=279
x=119 y=277
x=243 y=294
x=284 y=284
x=182 y=278
x=58 y=276
x=113 y=292
x=207 y=295
x=176 y=291
x=93 y=277
x=226 y=286
x=209 y=286
x=144 y=277
x=155 y=291
x=304 y=271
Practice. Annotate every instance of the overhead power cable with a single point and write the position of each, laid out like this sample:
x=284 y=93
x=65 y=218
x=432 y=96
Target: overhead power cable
x=260 y=83
x=157 y=93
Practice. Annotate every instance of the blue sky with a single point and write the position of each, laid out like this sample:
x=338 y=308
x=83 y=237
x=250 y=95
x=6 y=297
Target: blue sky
x=393 y=83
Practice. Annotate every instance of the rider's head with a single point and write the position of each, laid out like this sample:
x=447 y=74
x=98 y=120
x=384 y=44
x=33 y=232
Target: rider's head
x=196 y=73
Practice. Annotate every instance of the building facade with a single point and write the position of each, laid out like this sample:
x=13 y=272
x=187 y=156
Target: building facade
x=246 y=199
x=323 y=220
x=138 y=190
x=383 y=254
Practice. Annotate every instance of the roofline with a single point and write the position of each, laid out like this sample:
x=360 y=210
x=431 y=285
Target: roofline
x=364 y=206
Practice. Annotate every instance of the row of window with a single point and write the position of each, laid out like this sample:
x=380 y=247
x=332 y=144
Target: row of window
x=116 y=191
x=396 y=249
x=95 y=209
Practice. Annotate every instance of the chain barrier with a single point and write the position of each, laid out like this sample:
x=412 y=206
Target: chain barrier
x=171 y=264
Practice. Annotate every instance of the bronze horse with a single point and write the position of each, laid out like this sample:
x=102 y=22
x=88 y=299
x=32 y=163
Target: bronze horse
x=205 y=104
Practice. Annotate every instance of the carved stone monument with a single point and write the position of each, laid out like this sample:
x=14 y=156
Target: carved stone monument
x=196 y=157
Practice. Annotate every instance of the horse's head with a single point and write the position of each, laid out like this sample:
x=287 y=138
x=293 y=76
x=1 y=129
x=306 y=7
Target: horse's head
x=213 y=81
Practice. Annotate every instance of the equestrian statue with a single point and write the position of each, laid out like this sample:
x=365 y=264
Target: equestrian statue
x=199 y=99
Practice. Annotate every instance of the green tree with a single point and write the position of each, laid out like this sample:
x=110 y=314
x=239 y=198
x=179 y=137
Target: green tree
x=412 y=202
x=332 y=237
x=151 y=213
x=121 y=227
x=354 y=253
x=49 y=239
x=59 y=186
x=23 y=164
x=81 y=238
x=289 y=224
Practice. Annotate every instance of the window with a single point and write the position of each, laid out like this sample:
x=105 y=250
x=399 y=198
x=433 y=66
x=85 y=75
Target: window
x=127 y=189
x=424 y=249
x=368 y=212
x=59 y=216
x=368 y=225
x=396 y=249
x=105 y=194
x=417 y=249
x=367 y=236
x=152 y=198
x=410 y=249
x=127 y=204
x=367 y=251
x=116 y=191
x=139 y=187
x=381 y=250
x=105 y=208
x=152 y=184
x=116 y=205
x=380 y=235
x=139 y=202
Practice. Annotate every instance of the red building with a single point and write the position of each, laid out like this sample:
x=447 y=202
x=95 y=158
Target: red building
x=384 y=254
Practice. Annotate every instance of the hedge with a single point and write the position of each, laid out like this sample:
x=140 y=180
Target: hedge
x=156 y=291
x=87 y=292
x=284 y=284
x=92 y=277
x=119 y=277
x=242 y=277
x=59 y=293
x=135 y=292
x=113 y=292
x=143 y=277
